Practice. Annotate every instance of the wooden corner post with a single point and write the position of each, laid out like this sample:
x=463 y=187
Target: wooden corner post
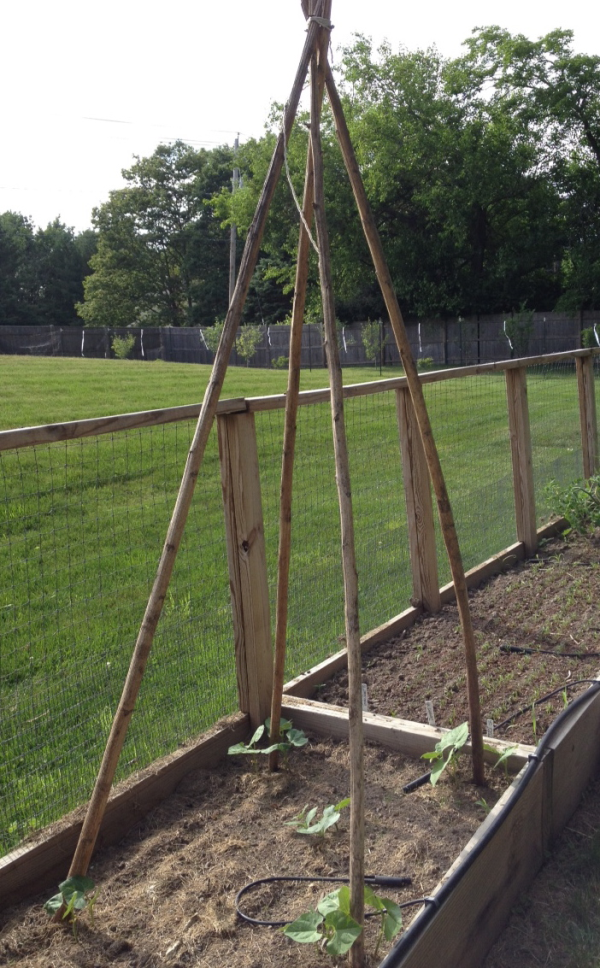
x=247 y=561
x=587 y=414
x=419 y=506
x=520 y=445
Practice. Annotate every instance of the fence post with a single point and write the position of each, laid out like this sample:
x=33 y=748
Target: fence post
x=587 y=414
x=247 y=563
x=520 y=445
x=419 y=506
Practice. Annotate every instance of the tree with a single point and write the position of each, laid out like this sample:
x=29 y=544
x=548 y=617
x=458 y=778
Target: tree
x=17 y=278
x=42 y=272
x=544 y=83
x=247 y=340
x=554 y=94
x=61 y=267
x=466 y=218
x=469 y=217
x=162 y=257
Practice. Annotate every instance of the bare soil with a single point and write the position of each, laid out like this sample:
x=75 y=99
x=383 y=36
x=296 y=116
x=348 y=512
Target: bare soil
x=167 y=891
x=546 y=604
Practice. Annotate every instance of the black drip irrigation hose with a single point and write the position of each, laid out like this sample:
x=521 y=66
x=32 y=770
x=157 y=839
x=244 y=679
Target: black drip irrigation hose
x=536 y=702
x=414 y=931
x=374 y=879
x=521 y=650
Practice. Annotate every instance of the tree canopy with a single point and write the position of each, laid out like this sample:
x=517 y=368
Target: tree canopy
x=483 y=173
x=41 y=272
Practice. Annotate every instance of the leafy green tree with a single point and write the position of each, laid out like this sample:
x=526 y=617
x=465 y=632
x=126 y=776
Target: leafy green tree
x=61 y=267
x=547 y=86
x=467 y=221
x=247 y=340
x=554 y=94
x=18 y=297
x=42 y=272
x=162 y=257
x=469 y=217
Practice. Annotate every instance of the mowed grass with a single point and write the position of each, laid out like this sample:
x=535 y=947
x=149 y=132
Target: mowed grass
x=39 y=390
x=82 y=525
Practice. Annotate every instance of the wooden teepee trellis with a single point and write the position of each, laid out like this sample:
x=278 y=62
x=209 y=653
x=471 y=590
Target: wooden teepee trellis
x=314 y=56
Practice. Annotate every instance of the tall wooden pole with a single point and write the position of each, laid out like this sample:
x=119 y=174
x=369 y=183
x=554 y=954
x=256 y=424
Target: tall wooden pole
x=235 y=180
x=97 y=805
x=289 y=447
x=416 y=391
x=342 y=474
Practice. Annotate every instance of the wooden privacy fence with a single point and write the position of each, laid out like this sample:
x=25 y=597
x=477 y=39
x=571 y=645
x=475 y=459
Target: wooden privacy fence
x=249 y=529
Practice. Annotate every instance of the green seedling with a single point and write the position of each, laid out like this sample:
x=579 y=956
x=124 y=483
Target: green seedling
x=504 y=757
x=72 y=899
x=447 y=750
x=332 y=925
x=291 y=737
x=484 y=805
x=304 y=821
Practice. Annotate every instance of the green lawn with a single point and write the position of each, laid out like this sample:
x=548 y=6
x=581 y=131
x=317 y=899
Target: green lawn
x=38 y=390
x=82 y=525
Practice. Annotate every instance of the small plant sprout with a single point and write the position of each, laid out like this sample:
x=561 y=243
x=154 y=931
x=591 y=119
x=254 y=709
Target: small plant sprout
x=303 y=822
x=332 y=925
x=72 y=899
x=447 y=750
x=504 y=757
x=291 y=737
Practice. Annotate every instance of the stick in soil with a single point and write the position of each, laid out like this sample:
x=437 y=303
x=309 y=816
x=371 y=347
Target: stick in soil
x=418 y=399
x=355 y=721
x=99 y=798
x=289 y=446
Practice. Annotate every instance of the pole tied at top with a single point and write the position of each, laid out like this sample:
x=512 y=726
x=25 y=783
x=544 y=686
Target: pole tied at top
x=321 y=21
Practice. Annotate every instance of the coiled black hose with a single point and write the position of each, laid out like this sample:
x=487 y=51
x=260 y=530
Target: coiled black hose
x=374 y=879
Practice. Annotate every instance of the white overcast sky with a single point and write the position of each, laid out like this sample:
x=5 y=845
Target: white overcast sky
x=87 y=86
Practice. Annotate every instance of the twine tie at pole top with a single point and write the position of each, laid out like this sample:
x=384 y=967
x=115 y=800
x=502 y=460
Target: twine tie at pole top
x=327 y=25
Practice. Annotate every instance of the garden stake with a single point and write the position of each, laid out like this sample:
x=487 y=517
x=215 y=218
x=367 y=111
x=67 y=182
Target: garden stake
x=289 y=446
x=355 y=720
x=100 y=794
x=418 y=399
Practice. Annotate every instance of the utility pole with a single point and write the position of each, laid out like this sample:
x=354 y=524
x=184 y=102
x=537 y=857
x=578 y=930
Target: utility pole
x=233 y=231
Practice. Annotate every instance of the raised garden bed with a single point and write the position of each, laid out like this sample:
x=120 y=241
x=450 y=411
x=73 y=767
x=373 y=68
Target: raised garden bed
x=168 y=889
x=549 y=603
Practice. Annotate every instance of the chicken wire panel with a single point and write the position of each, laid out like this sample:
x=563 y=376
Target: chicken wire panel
x=316 y=594
x=82 y=526
x=553 y=401
x=470 y=427
x=380 y=521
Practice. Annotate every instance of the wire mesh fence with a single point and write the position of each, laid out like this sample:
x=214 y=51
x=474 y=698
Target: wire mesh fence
x=554 y=420
x=82 y=524
x=470 y=425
